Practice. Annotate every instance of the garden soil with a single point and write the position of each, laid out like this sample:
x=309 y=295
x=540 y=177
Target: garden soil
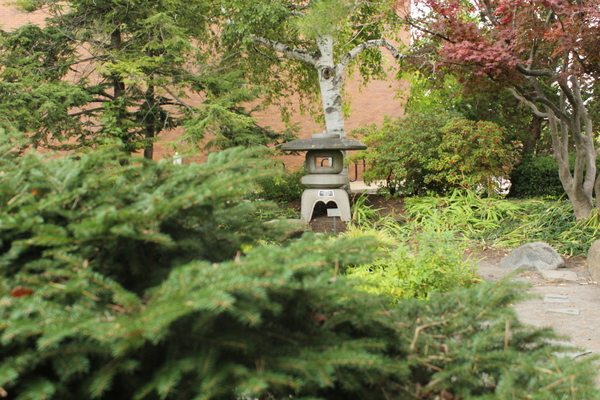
x=570 y=306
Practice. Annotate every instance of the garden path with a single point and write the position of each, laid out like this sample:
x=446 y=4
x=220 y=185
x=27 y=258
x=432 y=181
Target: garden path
x=570 y=305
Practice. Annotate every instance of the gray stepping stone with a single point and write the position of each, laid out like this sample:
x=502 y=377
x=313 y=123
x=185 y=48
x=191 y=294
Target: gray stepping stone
x=556 y=298
x=559 y=276
x=569 y=311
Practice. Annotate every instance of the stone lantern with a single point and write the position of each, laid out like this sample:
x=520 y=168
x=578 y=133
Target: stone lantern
x=325 y=166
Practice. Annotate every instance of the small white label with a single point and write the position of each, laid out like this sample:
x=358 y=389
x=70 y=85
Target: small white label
x=334 y=212
x=325 y=193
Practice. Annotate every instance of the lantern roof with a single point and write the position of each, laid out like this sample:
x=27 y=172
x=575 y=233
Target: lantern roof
x=323 y=141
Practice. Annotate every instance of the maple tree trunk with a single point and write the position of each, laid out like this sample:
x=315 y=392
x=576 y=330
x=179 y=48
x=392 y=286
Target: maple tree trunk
x=535 y=133
x=576 y=184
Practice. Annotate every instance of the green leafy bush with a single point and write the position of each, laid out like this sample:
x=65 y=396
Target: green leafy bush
x=480 y=350
x=435 y=153
x=362 y=213
x=462 y=211
x=537 y=176
x=505 y=223
x=552 y=222
x=128 y=222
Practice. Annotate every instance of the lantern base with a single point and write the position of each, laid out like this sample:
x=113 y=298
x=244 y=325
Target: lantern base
x=311 y=197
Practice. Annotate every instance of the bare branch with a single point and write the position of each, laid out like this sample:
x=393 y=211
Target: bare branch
x=289 y=52
x=529 y=103
x=489 y=12
x=179 y=101
x=87 y=111
x=536 y=72
x=411 y=22
x=369 y=45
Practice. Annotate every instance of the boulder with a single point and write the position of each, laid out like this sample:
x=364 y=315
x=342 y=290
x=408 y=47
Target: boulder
x=593 y=260
x=536 y=256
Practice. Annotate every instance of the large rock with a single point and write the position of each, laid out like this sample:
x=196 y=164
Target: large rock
x=534 y=256
x=593 y=260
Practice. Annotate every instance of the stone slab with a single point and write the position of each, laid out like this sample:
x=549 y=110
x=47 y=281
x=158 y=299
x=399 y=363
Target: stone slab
x=568 y=311
x=556 y=298
x=593 y=260
x=559 y=276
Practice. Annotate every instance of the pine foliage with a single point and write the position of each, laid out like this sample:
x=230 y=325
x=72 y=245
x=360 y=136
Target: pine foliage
x=124 y=280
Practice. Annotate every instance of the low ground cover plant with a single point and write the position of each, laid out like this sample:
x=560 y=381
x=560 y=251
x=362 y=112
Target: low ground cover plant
x=495 y=222
x=416 y=266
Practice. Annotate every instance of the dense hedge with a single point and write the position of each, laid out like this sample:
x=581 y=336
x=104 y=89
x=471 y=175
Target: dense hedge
x=538 y=177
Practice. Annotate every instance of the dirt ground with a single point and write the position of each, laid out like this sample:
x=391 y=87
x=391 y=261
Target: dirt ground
x=571 y=307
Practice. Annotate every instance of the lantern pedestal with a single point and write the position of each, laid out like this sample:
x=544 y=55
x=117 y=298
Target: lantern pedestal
x=310 y=198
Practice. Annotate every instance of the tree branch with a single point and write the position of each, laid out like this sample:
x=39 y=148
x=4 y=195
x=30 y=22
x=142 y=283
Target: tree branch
x=84 y=112
x=529 y=103
x=369 y=45
x=290 y=52
x=489 y=12
x=534 y=72
x=179 y=101
x=413 y=24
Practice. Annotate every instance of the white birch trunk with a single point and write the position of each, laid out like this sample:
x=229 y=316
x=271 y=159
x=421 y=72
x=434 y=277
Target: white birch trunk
x=330 y=83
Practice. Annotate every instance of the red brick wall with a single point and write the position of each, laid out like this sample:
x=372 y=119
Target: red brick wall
x=10 y=18
x=369 y=104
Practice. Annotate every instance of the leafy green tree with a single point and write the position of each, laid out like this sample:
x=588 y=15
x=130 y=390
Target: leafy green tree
x=104 y=70
x=436 y=152
x=295 y=45
x=127 y=281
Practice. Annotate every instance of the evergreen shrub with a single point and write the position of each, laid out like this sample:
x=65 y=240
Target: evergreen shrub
x=430 y=261
x=123 y=279
x=537 y=176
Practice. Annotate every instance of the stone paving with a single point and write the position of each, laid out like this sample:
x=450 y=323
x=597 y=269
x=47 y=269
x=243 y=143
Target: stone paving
x=565 y=299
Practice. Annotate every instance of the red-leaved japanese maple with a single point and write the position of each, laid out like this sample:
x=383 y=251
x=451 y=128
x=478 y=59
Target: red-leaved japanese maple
x=546 y=52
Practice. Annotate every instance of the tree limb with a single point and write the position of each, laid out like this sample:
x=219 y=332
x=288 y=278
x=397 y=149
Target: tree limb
x=179 y=101
x=411 y=23
x=290 y=52
x=534 y=72
x=529 y=103
x=84 y=112
x=489 y=12
x=369 y=45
